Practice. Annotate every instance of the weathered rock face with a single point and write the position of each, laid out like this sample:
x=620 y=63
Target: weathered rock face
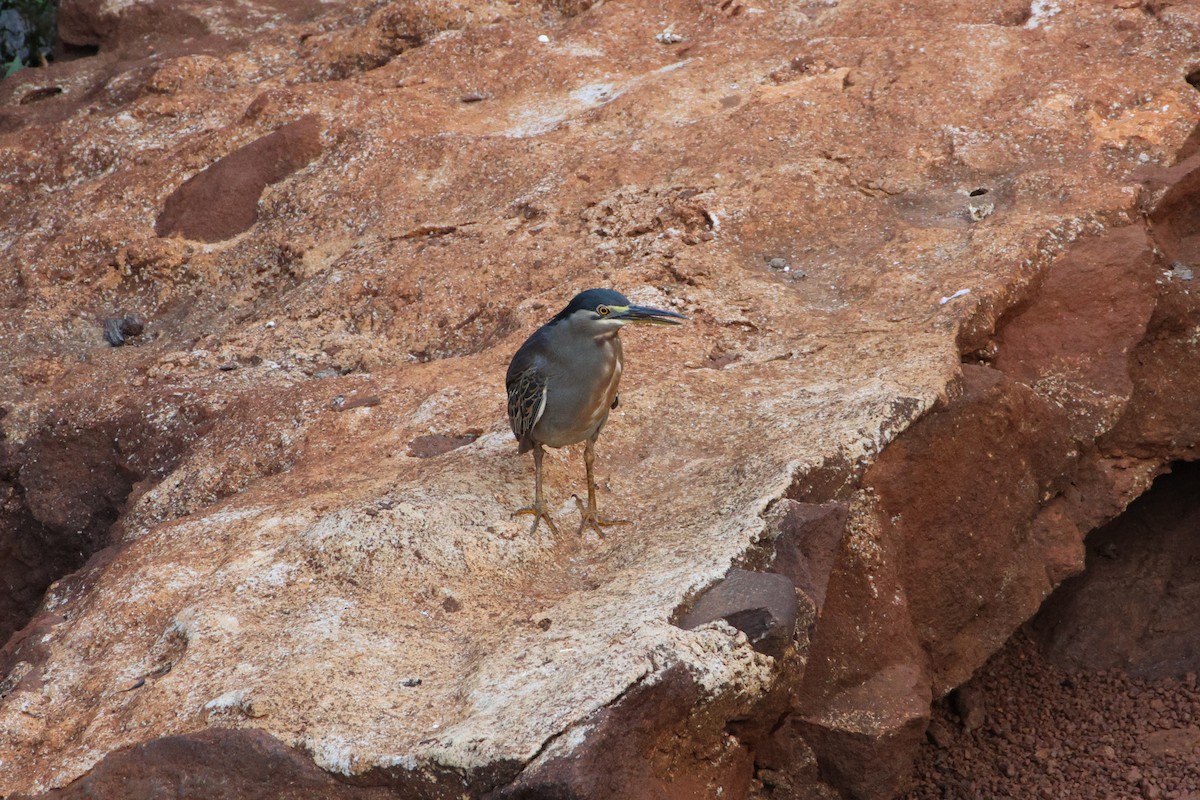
x=284 y=507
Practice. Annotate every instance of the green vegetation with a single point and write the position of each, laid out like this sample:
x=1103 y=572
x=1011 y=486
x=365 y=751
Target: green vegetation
x=26 y=33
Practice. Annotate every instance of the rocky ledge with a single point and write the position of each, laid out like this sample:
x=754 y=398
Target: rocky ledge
x=938 y=259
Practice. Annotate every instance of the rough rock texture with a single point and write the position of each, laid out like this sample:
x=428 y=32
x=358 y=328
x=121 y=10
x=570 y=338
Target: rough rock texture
x=217 y=762
x=1097 y=695
x=284 y=507
x=221 y=201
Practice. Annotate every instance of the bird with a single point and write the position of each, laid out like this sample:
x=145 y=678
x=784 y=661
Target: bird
x=562 y=383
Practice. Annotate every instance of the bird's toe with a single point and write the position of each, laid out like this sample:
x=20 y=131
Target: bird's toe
x=590 y=518
x=539 y=514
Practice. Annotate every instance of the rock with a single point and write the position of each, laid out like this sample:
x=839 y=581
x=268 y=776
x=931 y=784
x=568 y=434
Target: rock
x=1055 y=346
x=968 y=704
x=940 y=733
x=631 y=747
x=806 y=543
x=864 y=700
x=998 y=434
x=869 y=754
x=299 y=187
x=118 y=329
x=224 y=761
x=759 y=604
x=1158 y=418
x=112 y=332
x=222 y=200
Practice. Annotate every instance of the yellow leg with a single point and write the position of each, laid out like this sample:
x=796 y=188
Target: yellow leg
x=590 y=515
x=538 y=509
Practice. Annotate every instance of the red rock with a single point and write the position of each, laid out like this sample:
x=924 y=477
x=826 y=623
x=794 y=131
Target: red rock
x=218 y=763
x=282 y=563
x=222 y=200
x=940 y=733
x=984 y=463
x=1072 y=343
x=968 y=703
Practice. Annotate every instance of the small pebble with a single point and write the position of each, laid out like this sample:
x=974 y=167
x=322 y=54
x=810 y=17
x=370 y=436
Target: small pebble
x=1180 y=271
x=112 y=332
x=118 y=329
x=940 y=733
x=133 y=325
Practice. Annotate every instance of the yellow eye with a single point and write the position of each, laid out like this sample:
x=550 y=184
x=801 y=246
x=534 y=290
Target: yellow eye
x=602 y=311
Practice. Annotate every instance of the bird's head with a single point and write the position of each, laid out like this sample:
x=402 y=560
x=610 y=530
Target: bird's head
x=604 y=310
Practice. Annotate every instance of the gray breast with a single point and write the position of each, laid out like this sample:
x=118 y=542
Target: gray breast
x=583 y=373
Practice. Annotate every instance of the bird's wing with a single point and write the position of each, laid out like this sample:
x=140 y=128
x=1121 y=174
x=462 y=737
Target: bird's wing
x=526 y=401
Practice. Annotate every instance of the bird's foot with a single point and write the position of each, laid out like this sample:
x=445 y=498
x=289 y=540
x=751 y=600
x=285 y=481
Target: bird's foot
x=590 y=518
x=539 y=514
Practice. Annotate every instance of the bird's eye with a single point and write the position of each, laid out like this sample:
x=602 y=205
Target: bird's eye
x=602 y=311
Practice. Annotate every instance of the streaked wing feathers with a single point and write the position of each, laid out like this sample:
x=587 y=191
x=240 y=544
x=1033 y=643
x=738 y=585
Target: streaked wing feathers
x=526 y=402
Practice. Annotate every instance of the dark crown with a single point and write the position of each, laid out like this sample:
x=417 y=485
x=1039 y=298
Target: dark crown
x=590 y=299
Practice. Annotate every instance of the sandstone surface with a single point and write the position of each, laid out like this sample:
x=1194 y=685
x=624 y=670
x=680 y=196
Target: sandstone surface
x=937 y=259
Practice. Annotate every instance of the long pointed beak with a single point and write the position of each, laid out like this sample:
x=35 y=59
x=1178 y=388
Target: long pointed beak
x=652 y=316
